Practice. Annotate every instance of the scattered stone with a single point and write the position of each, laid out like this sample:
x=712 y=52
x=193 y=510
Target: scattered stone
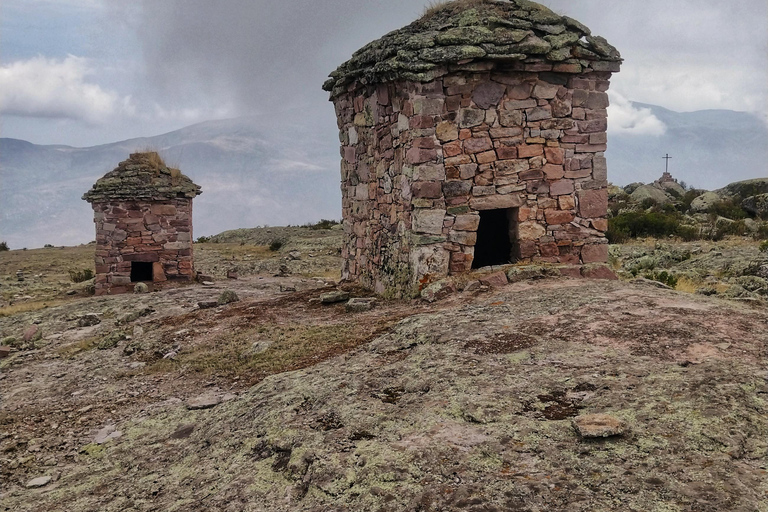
x=32 y=334
x=5 y=351
x=207 y=304
x=227 y=297
x=207 y=283
x=134 y=315
x=472 y=286
x=283 y=270
x=231 y=274
x=19 y=275
x=294 y=255
x=112 y=340
x=598 y=425
x=72 y=292
x=141 y=288
x=334 y=297
x=438 y=290
x=88 y=320
x=287 y=288
x=202 y=278
x=107 y=434
x=517 y=274
x=495 y=280
x=40 y=481
x=203 y=402
x=359 y=305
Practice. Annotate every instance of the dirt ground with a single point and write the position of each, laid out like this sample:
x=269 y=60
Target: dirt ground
x=278 y=402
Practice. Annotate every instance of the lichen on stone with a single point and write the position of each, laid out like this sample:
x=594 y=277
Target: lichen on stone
x=143 y=176
x=460 y=31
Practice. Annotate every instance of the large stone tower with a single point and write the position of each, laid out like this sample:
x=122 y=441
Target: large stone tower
x=474 y=136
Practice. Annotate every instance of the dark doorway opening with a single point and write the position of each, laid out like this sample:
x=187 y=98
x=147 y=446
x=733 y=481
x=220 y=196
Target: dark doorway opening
x=141 y=271
x=495 y=236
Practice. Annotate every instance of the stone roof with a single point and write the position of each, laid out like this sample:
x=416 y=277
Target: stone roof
x=144 y=176
x=467 y=30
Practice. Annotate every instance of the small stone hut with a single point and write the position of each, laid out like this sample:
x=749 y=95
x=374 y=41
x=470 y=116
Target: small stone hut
x=474 y=136
x=143 y=216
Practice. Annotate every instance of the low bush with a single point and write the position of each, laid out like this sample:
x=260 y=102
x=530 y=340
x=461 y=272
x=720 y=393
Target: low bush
x=203 y=239
x=4 y=247
x=80 y=275
x=275 y=245
x=764 y=246
x=322 y=224
x=729 y=209
x=663 y=277
x=635 y=224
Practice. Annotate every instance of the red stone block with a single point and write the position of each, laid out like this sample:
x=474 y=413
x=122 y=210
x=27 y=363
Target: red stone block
x=558 y=217
x=477 y=145
x=424 y=143
x=549 y=250
x=495 y=280
x=553 y=172
x=506 y=152
x=486 y=157
x=599 y=272
x=527 y=151
x=594 y=253
x=554 y=155
x=420 y=156
x=427 y=189
x=593 y=203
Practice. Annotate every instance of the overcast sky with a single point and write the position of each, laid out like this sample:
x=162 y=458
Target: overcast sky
x=85 y=72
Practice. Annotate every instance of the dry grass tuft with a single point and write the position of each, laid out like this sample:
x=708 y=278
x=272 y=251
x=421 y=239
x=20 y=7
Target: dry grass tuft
x=27 y=307
x=436 y=6
x=72 y=349
x=686 y=285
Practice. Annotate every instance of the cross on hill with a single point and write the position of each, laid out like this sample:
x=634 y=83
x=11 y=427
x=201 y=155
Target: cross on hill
x=667 y=158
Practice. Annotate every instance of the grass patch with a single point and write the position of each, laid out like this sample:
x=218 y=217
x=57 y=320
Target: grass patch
x=26 y=307
x=242 y=354
x=80 y=275
x=72 y=349
x=687 y=285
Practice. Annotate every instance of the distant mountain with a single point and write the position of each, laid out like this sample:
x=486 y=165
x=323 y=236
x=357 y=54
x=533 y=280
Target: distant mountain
x=709 y=149
x=280 y=170
x=287 y=174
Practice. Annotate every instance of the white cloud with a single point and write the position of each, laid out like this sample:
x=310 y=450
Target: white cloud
x=53 y=88
x=626 y=119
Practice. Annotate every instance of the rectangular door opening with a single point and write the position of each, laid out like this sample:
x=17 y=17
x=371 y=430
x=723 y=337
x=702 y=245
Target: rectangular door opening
x=141 y=271
x=496 y=238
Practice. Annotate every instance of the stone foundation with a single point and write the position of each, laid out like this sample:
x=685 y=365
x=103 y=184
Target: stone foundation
x=421 y=160
x=157 y=232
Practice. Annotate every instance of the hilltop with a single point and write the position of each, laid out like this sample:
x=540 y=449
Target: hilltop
x=277 y=402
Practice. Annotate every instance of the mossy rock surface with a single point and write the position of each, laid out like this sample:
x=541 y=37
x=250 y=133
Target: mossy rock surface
x=504 y=30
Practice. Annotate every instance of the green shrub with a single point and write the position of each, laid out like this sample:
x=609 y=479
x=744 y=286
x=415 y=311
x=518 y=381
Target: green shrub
x=688 y=233
x=651 y=224
x=48 y=246
x=729 y=209
x=203 y=239
x=80 y=275
x=323 y=224
x=648 y=202
x=764 y=246
x=275 y=245
x=4 y=247
x=663 y=277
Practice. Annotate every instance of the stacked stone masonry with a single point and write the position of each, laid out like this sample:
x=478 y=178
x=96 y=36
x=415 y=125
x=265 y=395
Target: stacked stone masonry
x=493 y=105
x=148 y=232
x=143 y=216
x=421 y=160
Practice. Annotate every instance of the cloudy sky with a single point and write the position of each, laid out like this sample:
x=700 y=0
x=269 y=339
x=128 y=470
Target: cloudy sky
x=85 y=72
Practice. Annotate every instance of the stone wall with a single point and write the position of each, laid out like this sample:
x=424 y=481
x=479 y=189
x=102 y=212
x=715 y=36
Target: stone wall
x=420 y=160
x=151 y=232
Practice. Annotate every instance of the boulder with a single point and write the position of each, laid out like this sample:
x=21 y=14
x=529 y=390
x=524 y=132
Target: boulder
x=227 y=297
x=672 y=186
x=88 y=320
x=592 y=426
x=359 y=305
x=40 y=481
x=745 y=189
x=141 y=288
x=438 y=290
x=334 y=297
x=704 y=202
x=757 y=205
x=645 y=192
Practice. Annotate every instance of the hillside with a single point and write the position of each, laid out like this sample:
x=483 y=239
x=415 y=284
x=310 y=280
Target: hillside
x=279 y=170
x=277 y=402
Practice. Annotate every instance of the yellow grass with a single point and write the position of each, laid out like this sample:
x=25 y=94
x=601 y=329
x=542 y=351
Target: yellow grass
x=26 y=307
x=687 y=285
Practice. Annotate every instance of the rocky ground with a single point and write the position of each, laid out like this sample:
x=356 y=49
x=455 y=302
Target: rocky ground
x=278 y=402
